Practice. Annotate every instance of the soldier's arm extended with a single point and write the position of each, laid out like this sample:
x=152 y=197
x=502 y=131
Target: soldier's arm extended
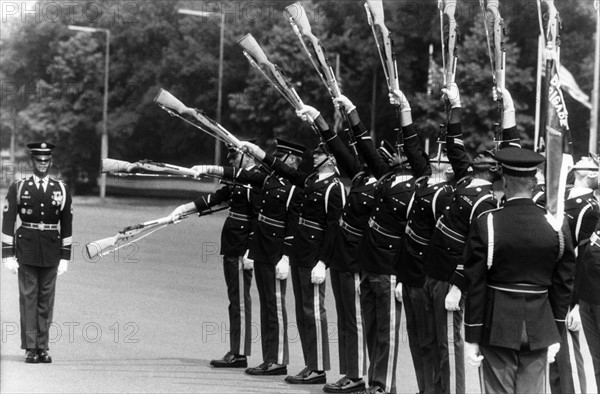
x=348 y=162
x=295 y=198
x=559 y=293
x=66 y=226
x=253 y=176
x=335 y=198
x=366 y=149
x=9 y=219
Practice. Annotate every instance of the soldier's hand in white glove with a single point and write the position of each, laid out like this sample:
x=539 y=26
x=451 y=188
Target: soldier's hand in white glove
x=345 y=103
x=282 y=269
x=308 y=113
x=207 y=170
x=472 y=354
x=508 y=107
x=317 y=275
x=253 y=149
x=453 y=299
x=11 y=263
x=451 y=94
x=552 y=351
x=397 y=98
x=574 y=319
x=63 y=265
x=183 y=210
x=398 y=291
x=247 y=263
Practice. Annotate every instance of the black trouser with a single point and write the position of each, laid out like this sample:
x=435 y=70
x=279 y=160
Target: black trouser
x=36 y=301
x=311 y=318
x=238 y=282
x=381 y=315
x=273 y=315
x=512 y=371
x=590 y=319
x=351 y=340
x=421 y=338
x=567 y=373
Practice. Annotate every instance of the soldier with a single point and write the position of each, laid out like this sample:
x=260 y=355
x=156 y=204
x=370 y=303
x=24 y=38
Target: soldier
x=237 y=268
x=40 y=249
x=269 y=249
x=320 y=211
x=519 y=283
x=582 y=213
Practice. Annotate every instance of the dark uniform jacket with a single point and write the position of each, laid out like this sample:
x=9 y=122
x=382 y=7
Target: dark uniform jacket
x=383 y=238
x=539 y=195
x=239 y=225
x=51 y=209
x=517 y=277
x=588 y=269
x=278 y=211
x=319 y=214
x=359 y=202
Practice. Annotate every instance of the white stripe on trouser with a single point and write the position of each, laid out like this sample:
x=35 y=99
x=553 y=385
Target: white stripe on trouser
x=451 y=352
x=359 y=327
x=280 y=326
x=242 y=294
x=546 y=374
x=392 y=350
x=573 y=361
x=481 y=379
x=317 y=315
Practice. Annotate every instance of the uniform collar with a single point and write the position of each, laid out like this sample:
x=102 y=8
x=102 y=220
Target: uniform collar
x=579 y=191
x=479 y=182
x=37 y=179
x=324 y=175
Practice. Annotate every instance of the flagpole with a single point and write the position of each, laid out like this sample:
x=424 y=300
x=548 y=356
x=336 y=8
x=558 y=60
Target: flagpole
x=596 y=90
x=538 y=94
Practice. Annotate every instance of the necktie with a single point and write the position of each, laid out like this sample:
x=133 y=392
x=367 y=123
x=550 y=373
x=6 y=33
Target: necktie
x=41 y=186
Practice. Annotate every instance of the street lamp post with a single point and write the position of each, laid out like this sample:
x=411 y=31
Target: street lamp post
x=104 y=138
x=220 y=78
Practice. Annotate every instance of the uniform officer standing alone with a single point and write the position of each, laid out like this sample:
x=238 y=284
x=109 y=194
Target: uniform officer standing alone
x=40 y=249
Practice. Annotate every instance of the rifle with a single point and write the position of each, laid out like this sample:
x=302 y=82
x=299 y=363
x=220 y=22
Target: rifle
x=258 y=59
x=135 y=233
x=376 y=19
x=301 y=26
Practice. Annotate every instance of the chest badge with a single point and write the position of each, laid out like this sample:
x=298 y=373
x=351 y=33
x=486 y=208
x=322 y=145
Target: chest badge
x=57 y=197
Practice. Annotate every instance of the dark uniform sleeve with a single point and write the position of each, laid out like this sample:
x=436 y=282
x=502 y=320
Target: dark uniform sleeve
x=66 y=226
x=510 y=138
x=348 y=162
x=588 y=225
x=366 y=149
x=563 y=278
x=475 y=258
x=457 y=155
x=253 y=177
x=8 y=221
x=334 y=205
x=296 y=177
x=414 y=152
x=213 y=199
x=293 y=213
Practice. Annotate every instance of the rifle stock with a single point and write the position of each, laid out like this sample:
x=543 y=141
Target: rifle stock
x=112 y=165
x=100 y=247
x=166 y=99
x=376 y=18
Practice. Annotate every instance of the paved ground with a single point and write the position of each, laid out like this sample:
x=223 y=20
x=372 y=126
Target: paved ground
x=150 y=318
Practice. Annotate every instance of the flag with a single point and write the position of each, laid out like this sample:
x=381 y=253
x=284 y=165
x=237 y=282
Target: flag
x=569 y=85
x=558 y=144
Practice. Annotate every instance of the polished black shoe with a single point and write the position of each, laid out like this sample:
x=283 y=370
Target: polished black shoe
x=44 y=357
x=31 y=356
x=375 y=390
x=345 y=385
x=268 y=369
x=306 y=376
x=230 y=360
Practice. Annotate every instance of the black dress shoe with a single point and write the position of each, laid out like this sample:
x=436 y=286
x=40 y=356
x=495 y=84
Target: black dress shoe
x=44 y=357
x=230 y=360
x=345 y=385
x=307 y=377
x=31 y=356
x=268 y=369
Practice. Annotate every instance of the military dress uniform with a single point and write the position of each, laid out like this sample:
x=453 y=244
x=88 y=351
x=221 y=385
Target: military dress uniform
x=381 y=242
x=41 y=241
x=324 y=197
x=235 y=238
x=520 y=284
x=567 y=374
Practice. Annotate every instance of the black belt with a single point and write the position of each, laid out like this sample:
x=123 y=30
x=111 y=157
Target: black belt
x=40 y=226
x=417 y=238
x=239 y=216
x=523 y=288
x=382 y=230
x=350 y=229
x=311 y=224
x=450 y=233
x=271 y=222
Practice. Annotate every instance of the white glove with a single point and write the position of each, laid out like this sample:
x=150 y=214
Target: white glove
x=317 y=275
x=504 y=95
x=453 y=299
x=344 y=102
x=308 y=113
x=398 y=98
x=451 y=93
x=253 y=149
x=182 y=210
x=472 y=354
x=207 y=169
x=247 y=264
x=574 y=319
x=552 y=351
x=398 y=292
x=11 y=263
x=63 y=265
x=282 y=269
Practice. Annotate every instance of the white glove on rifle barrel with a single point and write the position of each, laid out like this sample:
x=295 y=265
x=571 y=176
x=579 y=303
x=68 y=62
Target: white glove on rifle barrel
x=253 y=149
x=453 y=299
x=574 y=319
x=508 y=107
x=345 y=103
x=552 y=351
x=247 y=263
x=472 y=354
x=451 y=94
x=398 y=292
x=63 y=265
x=308 y=113
x=398 y=99
x=282 y=269
x=182 y=210
x=317 y=275
x=11 y=263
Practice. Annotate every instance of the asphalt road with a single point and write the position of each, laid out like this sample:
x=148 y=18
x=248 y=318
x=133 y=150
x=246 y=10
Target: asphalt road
x=150 y=318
